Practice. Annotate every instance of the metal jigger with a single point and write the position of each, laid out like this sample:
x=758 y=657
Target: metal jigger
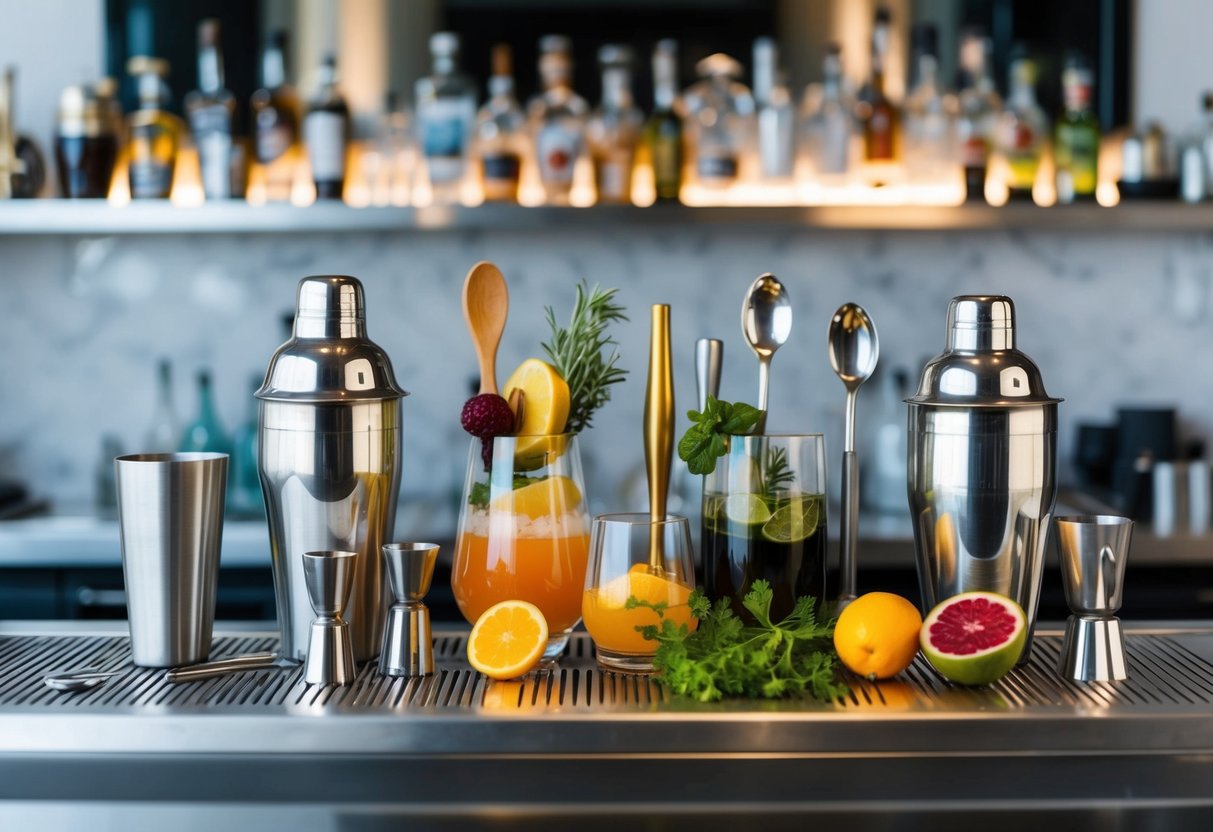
x=408 y=649
x=1094 y=550
x=330 y=653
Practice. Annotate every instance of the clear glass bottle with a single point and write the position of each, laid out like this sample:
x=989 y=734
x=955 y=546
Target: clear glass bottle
x=501 y=138
x=154 y=134
x=719 y=122
x=446 y=113
x=326 y=132
x=613 y=130
x=211 y=109
x=276 y=116
x=979 y=107
x=1076 y=143
x=557 y=117
x=164 y=433
x=828 y=124
x=663 y=133
x=388 y=158
x=879 y=116
x=928 y=139
x=1022 y=130
x=205 y=432
x=776 y=117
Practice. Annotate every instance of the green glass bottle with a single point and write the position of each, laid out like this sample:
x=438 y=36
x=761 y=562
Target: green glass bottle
x=205 y=432
x=663 y=133
x=1077 y=139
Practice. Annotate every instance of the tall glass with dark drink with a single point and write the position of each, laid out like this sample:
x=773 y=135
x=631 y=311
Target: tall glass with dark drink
x=764 y=517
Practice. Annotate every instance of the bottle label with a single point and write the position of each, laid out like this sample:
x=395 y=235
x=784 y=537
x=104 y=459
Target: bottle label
x=614 y=178
x=324 y=134
x=444 y=126
x=212 y=128
x=974 y=152
x=719 y=166
x=503 y=168
x=151 y=177
x=557 y=148
x=274 y=137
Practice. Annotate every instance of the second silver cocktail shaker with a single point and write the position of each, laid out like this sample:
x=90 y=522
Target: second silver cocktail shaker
x=982 y=469
x=329 y=458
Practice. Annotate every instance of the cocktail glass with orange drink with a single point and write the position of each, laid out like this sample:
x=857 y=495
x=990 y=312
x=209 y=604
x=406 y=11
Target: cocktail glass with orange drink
x=524 y=531
x=633 y=556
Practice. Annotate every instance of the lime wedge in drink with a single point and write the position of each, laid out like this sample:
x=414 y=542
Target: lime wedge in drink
x=747 y=509
x=794 y=521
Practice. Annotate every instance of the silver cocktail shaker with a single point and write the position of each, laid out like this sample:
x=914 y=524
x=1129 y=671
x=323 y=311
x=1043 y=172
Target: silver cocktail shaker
x=329 y=458
x=982 y=470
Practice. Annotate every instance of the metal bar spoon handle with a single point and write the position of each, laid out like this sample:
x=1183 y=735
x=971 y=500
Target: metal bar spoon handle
x=659 y=429
x=854 y=351
x=709 y=359
x=766 y=323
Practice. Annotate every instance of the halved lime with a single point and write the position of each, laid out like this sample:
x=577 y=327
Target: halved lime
x=794 y=521
x=747 y=509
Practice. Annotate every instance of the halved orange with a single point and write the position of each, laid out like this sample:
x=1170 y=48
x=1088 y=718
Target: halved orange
x=508 y=640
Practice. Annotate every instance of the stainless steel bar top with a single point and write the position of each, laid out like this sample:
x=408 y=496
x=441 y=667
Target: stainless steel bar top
x=571 y=741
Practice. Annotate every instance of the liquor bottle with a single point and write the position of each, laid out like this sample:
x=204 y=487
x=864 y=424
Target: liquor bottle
x=164 y=433
x=776 y=121
x=557 y=117
x=205 y=432
x=1022 y=129
x=211 y=109
x=446 y=113
x=276 y=114
x=828 y=123
x=1206 y=138
x=928 y=138
x=979 y=107
x=22 y=167
x=154 y=134
x=614 y=128
x=663 y=133
x=326 y=132
x=245 y=497
x=1076 y=151
x=388 y=162
x=720 y=121
x=501 y=140
x=879 y=116
x=86 y=144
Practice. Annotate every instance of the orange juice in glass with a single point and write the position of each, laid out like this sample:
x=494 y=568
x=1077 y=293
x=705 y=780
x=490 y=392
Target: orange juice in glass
x=633 y=556
x=524 y=531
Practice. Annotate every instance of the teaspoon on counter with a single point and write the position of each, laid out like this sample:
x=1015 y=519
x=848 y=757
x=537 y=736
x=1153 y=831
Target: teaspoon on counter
x=87 y=679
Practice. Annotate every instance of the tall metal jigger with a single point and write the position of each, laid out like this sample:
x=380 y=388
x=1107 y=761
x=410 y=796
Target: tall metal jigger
x=1094 y=550
x=330 y=649
x=408 y=647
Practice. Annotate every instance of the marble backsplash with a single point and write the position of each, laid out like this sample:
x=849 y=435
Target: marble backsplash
x=1111 y=318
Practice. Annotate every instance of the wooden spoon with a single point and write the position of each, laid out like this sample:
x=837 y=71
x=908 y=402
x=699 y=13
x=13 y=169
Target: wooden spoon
x=486 y=302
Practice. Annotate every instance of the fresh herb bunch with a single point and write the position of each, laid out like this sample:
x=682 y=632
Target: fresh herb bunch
x=480 y=492
x=704 y=441
x=723 y=657
x=577 y=352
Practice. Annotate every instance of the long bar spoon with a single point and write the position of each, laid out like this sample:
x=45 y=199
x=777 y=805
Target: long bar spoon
x=854 y=350
x=766 y=322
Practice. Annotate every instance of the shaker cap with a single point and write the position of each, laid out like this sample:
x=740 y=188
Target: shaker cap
x=980 y=366
x=329 y=357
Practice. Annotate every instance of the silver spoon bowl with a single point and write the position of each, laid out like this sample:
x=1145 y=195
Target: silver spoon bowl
x=766 y=322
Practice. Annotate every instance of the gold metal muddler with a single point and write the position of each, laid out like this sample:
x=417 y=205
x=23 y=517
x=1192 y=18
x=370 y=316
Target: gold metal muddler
x=659 y=428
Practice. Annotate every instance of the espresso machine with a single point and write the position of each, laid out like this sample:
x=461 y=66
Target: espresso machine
x=982 y=468
x=329 y=459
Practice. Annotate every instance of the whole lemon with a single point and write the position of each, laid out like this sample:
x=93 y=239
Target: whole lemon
x=877 y=635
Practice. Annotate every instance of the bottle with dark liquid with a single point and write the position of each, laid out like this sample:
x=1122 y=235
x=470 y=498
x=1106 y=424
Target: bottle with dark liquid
x=501 y=132
x=211 y=109
x=86 y=144
x=326 y=132
x=663 y=133
x=154 y=134
x=276 y=114
x=979 y=106
x=879 y=116
x=22 y=168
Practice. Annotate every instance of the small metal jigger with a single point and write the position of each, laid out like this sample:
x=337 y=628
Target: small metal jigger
x=408 y=649
x=1094 y=550
x=330 y=654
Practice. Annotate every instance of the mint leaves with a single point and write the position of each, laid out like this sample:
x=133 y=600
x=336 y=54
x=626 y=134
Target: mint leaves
x=704 y=442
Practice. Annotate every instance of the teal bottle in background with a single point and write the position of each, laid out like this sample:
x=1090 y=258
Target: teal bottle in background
x=206 y=432
x=164 y=433
x=244 y=497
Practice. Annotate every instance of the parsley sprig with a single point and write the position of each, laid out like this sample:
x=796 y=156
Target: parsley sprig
x=704 y=441
x=724 y=657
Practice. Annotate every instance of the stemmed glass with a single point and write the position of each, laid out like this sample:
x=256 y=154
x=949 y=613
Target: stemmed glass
x=524 y=531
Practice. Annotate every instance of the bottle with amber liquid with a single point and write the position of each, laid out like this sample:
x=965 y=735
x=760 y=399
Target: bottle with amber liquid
x=211 y=110
x=879 y=116
x=86 y=144
x=613 y=130
x=276 y=114
x=153 y=133
x=663 y=133
x=501 y=136
x=326 y=132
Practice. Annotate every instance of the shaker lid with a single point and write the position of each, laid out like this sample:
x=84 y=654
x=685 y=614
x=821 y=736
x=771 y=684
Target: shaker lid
x=980 y=366
x=329 y=357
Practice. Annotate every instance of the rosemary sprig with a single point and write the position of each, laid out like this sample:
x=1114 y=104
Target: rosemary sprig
x=777 y=472
x=577 y=352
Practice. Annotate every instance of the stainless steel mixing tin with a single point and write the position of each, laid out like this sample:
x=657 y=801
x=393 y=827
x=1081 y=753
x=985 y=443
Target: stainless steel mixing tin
x=982 y=461
x=329 y=458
